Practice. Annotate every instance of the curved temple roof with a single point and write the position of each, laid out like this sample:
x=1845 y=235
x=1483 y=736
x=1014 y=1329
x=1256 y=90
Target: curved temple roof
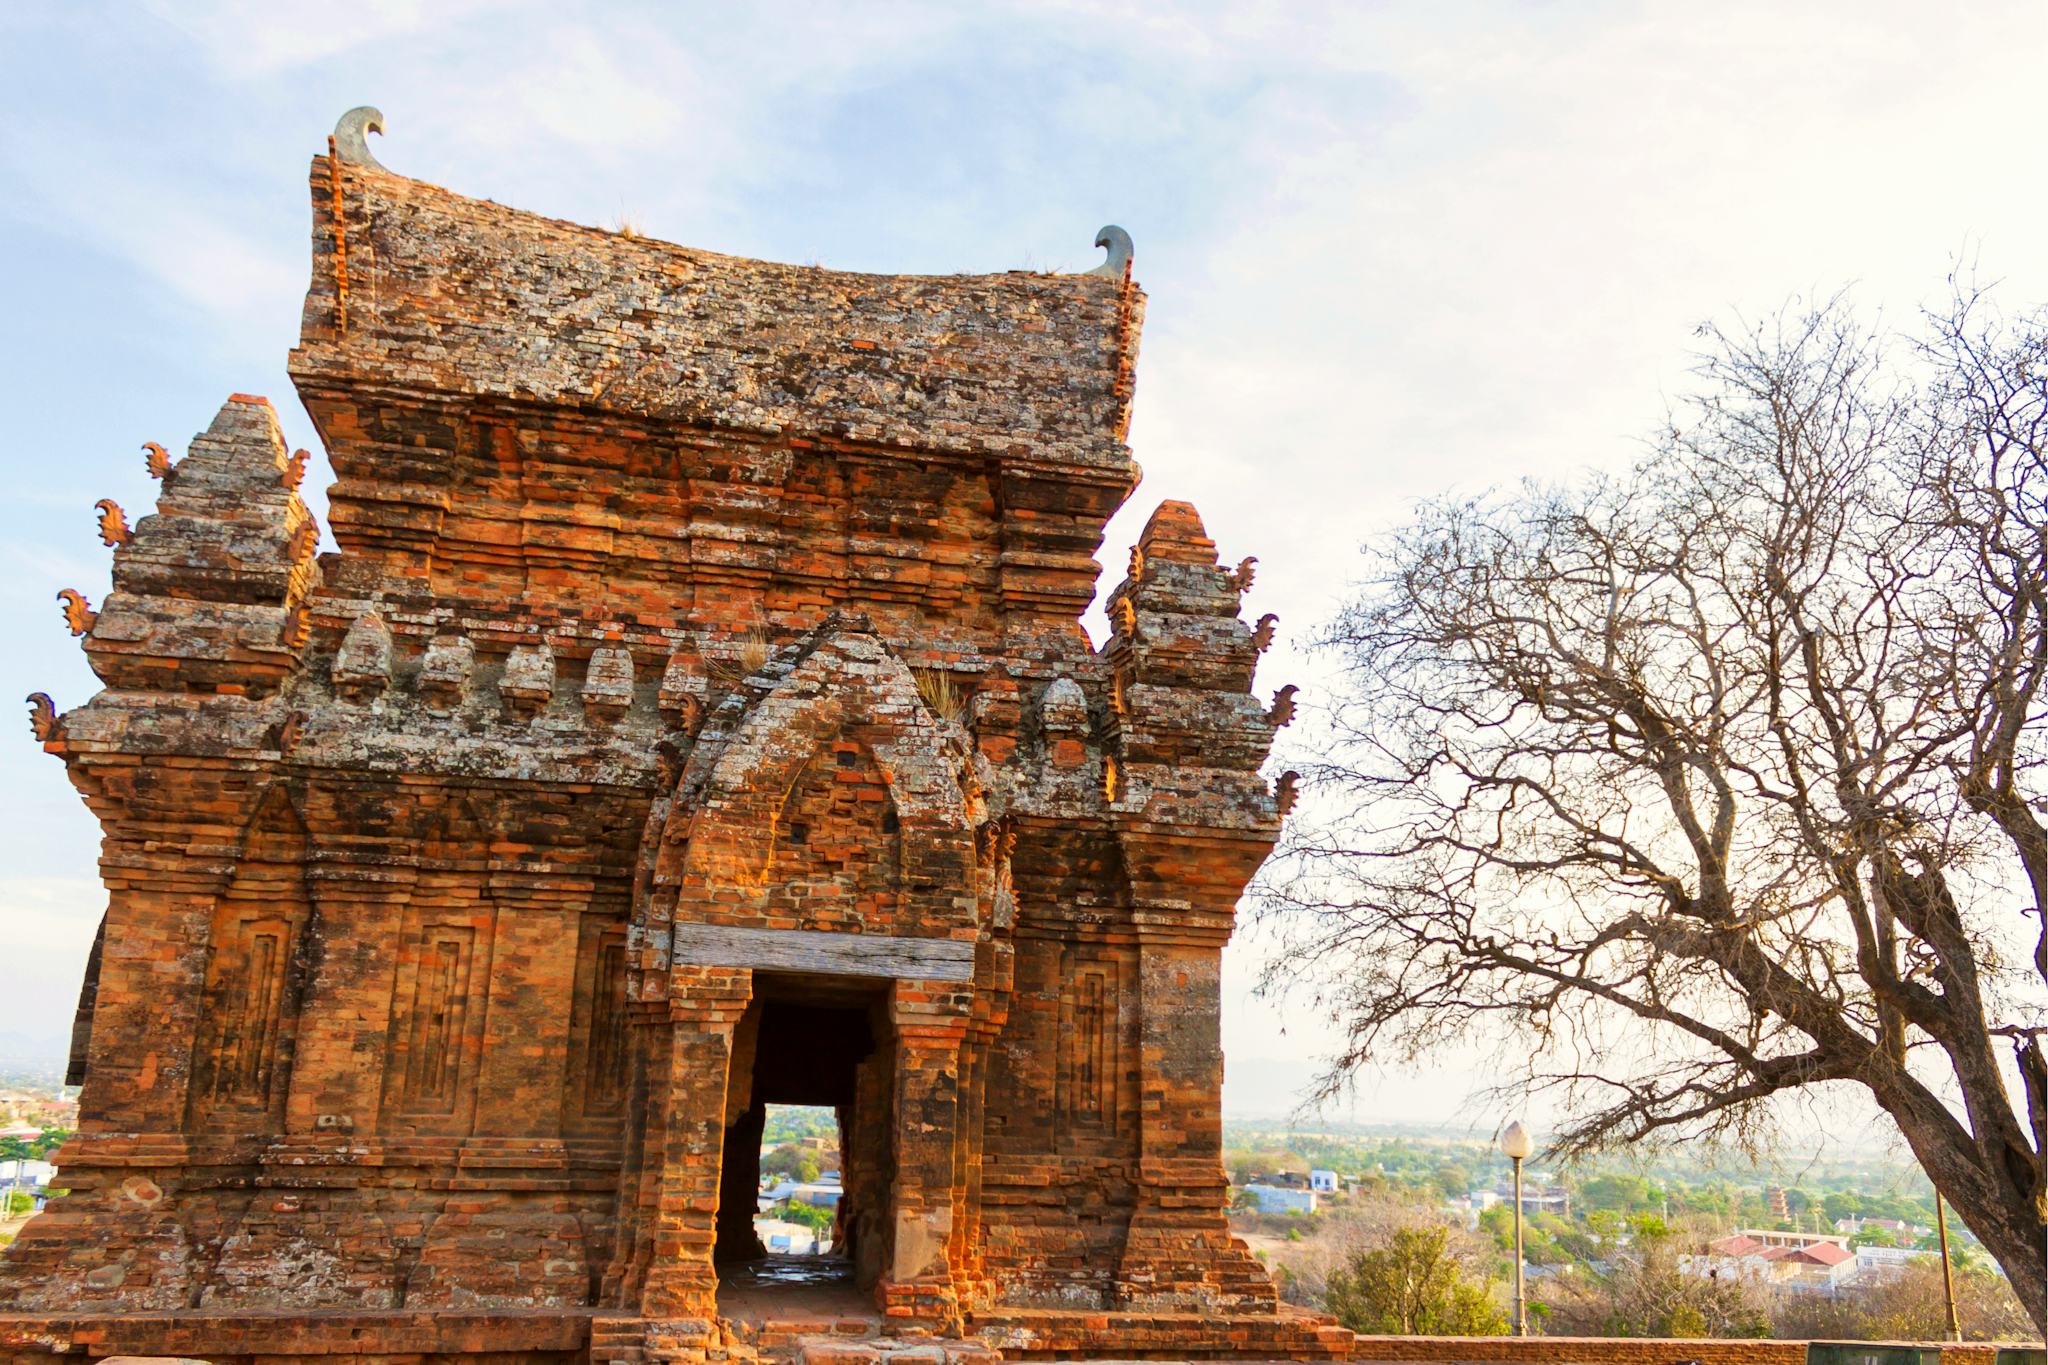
x=419 y=290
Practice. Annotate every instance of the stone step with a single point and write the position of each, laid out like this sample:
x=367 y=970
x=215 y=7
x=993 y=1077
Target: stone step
x=887 y=1352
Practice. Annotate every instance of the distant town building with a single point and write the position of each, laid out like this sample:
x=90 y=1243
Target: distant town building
x=1537 y=1197
x=1281 y=1199
x=1785 y=1260
x=1875 y=1263
x=817 y=1193
x=1323 y=1182
x=1900 y=1230
x=1466 y=1208
x=1778 y=1202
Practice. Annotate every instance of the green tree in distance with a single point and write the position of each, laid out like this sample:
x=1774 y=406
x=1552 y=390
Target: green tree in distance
x=1412 y=1286
x=798 y=1163
x=1619 y=1193
x=818 y=1220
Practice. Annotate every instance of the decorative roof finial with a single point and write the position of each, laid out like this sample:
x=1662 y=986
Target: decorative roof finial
x=1117 y=242
x=1287 y=791
x=78 y=613
x=42 y=716
x=113 y=523
x=349 y=143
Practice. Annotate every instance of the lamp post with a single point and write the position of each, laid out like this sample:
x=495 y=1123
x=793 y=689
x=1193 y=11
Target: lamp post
x=1948 y=1277
x=1514 y=1142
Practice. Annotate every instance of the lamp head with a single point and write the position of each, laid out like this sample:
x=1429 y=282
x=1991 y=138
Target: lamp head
x=1515 y=1141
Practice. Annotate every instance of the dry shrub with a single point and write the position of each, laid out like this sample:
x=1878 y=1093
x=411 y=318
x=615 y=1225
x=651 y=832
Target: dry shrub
x=746 y=660
x=1907 y=1305
x=944 y=700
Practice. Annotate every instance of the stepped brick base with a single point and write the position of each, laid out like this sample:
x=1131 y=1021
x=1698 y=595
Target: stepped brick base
x=577 y=1338
x=1039 y=1334
x=531 y=1338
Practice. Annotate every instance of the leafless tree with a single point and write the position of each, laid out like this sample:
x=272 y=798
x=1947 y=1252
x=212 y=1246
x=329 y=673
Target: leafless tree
x=1722 y=778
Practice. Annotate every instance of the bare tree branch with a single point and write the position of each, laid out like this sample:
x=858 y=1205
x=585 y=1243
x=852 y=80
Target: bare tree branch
x=1736 y=759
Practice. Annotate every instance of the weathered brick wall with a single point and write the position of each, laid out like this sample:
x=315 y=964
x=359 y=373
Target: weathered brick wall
x=704 y=637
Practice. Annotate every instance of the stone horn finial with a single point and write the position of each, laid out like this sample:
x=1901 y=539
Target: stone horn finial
x=1117 y=243
x=157 y=460
x=350 y=144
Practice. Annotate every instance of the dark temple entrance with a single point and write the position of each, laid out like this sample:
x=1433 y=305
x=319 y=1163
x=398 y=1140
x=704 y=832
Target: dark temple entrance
x=810 y=1041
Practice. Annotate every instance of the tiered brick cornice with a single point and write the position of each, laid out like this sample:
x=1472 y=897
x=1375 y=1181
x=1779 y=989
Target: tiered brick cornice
x=695 y=717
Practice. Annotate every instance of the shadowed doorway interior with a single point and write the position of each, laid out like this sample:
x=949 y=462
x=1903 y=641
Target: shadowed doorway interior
x=813 y=1041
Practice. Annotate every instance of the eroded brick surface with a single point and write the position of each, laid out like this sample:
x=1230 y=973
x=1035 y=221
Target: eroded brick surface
x=701 y=665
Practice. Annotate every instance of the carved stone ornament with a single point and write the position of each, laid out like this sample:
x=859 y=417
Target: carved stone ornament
x=608 y=686
x=1065 y=710
x=445 y=672
x=528 y=681
x=113 y=523
x=78 y=613
x=1117 y=243
x=350 y=143
x=362 y=666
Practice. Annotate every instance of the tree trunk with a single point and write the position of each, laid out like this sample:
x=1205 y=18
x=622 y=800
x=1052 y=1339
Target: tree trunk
x=1995 y=1202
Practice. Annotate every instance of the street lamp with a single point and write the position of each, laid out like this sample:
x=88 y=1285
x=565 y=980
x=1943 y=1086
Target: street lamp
x=1948 y=1277
x=1515 y=1143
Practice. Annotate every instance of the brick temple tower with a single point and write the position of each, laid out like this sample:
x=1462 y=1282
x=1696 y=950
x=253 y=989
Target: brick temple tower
x=696 y=716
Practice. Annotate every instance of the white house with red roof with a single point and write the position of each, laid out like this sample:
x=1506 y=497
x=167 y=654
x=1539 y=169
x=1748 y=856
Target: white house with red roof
x=1785 y=1260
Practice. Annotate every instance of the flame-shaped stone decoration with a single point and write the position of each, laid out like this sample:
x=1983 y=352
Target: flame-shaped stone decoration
x=1262 y=634
x=1282 y=712
x=113 y=523
x=42 y=716
x=295 y=469
x=1288 y=791
x=1240 y=578
x=157 y=460
x=78 y=613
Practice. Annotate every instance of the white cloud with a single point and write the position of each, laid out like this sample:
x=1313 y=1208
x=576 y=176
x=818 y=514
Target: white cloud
x=242 y=39
x=46 y=927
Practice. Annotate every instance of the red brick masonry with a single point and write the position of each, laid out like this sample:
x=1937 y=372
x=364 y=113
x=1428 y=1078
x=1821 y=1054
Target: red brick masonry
x=695 y=717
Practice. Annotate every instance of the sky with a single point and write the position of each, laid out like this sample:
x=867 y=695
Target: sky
x=1391 y=250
